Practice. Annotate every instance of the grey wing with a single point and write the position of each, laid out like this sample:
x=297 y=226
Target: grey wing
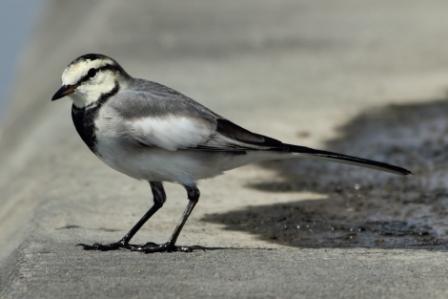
x=155 y=115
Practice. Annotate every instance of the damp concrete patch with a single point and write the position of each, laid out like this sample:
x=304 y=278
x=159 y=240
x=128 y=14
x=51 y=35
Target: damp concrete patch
x=363 y=207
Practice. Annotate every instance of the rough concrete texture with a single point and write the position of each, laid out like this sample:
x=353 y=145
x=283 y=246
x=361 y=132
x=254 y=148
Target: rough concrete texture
x=366 y=78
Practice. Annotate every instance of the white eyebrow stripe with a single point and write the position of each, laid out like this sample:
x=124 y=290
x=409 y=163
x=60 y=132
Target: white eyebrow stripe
x=75 y=72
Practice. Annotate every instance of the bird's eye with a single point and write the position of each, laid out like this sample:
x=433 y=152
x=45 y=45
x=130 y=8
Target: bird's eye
x=91 y=72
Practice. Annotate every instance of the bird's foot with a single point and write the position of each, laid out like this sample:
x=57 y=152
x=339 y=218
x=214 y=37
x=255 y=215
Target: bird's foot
x=106 y=247
x=151 y=247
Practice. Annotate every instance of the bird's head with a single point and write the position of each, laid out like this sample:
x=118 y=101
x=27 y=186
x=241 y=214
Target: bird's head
x=87 y=78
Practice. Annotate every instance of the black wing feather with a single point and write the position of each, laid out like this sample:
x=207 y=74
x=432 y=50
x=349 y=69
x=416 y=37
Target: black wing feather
x=233 y=131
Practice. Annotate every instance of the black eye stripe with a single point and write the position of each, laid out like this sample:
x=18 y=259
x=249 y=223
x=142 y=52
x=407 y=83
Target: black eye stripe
x=92 y=72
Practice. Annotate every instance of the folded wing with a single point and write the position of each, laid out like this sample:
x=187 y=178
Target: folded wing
x=157 y=116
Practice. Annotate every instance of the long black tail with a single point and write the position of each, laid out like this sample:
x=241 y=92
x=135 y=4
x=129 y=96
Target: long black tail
x=346 y=159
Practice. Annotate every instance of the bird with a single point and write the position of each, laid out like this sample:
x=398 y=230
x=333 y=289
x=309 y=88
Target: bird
x=154 y=133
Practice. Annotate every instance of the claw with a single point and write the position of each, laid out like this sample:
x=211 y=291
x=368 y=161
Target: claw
x=165 y=247
x=104 y=247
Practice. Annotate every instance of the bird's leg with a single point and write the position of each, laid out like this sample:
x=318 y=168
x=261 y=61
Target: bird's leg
x=159 y=198
x=170 y=246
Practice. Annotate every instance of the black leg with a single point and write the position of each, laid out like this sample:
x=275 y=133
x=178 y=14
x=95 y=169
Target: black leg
x=159 y=198
x=193 y=198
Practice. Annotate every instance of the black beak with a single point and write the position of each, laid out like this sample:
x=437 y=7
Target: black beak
x=63 y=91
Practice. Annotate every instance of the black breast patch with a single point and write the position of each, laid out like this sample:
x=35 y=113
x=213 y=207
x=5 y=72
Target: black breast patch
x=84 y=118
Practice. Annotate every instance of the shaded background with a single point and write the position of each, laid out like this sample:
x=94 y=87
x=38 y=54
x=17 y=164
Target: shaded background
x=366 y=78
x=17 y=19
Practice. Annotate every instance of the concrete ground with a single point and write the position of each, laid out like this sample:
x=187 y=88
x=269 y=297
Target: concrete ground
x=367 y=78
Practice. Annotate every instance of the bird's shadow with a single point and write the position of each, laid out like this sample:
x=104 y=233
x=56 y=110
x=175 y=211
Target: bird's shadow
x=361 y=207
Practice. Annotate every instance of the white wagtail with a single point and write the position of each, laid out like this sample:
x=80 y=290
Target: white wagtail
x=154 y=133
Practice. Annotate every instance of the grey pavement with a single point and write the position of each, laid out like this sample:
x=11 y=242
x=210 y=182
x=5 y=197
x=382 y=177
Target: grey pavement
x=366 y=78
